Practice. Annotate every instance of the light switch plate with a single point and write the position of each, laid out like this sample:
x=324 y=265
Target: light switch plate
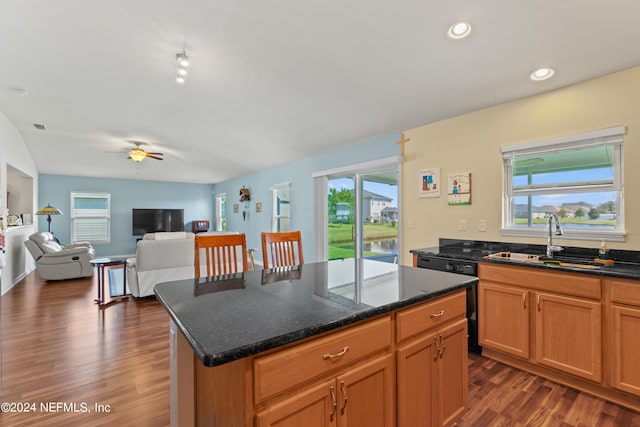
x=462 y=224
x=482 y=225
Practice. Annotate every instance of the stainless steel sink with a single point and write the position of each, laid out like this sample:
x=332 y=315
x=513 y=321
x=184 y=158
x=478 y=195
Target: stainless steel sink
x=514 y=256
x=525 y=258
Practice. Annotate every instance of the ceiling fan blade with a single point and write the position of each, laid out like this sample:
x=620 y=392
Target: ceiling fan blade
x=157 y=154
x=154 y=157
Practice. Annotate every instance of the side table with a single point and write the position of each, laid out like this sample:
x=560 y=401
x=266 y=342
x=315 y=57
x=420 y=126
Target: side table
x=100 y=264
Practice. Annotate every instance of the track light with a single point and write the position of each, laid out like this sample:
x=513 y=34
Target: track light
x=182 y=59
x=183 y=63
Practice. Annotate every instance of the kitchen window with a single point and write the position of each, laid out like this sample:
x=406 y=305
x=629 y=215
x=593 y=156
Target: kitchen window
x=91 y=217
x=221 y=212
x=281 y=207
x=577 y=177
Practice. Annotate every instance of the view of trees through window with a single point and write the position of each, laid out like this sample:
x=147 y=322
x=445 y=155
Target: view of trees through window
x=379 y=214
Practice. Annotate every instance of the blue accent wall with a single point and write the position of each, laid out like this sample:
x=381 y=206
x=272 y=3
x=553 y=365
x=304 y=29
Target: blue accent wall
x=299 y=175
x=196 y=200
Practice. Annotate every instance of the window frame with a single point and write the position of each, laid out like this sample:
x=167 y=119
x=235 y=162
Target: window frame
x=221 y=214
x=75 y=217
x=275 y=216
x=613 y=136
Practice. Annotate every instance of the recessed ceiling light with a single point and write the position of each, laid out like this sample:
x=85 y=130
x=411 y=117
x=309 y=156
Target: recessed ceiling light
x=459 y=30
x=541 y=74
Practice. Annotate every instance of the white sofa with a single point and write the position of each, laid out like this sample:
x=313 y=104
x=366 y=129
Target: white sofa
x=162 y=257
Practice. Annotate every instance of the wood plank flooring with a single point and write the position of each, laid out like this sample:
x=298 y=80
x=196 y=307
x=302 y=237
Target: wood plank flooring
x=57 y=347
x=503 y=396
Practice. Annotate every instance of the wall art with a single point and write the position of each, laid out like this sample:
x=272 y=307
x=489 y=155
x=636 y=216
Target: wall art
x=459 y=188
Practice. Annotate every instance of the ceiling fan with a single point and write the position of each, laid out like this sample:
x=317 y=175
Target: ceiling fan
x=137 y=154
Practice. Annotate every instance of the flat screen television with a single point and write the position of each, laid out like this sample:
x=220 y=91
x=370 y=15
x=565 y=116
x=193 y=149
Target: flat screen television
x=157 y=220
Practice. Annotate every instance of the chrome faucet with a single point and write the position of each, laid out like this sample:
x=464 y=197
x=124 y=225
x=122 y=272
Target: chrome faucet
x=550 y=248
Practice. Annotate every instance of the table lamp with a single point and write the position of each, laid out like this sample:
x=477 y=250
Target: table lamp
x=48 y=211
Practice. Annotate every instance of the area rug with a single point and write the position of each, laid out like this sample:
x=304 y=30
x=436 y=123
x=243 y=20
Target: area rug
x=116 y=282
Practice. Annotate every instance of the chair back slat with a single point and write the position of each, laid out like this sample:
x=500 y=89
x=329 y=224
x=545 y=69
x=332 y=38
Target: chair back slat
x=220 y=254
x=282 y=249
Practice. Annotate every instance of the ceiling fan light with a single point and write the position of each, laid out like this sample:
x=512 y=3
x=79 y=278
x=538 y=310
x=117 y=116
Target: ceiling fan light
x=180 y=79
x=137 y=154
x=182 y=71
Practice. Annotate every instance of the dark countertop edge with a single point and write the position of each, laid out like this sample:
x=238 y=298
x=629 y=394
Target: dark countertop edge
x=604 y=271
x=212 y=360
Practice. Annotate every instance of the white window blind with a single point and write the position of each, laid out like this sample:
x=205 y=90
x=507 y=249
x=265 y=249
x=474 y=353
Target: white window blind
x=91 y=217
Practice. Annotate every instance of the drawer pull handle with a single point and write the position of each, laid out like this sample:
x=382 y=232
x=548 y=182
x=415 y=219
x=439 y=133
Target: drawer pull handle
x=434 y=315
x=343 y=388
x=335 y=403
x=333 y=356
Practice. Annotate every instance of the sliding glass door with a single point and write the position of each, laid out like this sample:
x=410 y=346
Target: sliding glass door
x=362 y=212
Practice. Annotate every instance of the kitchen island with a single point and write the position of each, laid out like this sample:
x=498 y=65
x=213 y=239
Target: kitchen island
x=269 y=345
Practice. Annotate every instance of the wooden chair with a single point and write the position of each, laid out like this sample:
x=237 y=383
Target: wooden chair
x=221 y=253
x=282 y=249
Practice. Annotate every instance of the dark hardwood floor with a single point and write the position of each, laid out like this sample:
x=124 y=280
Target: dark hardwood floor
x=57 y=347
x=503 y=396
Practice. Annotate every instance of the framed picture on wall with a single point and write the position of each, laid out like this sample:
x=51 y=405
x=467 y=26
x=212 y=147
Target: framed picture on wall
x=459 y=188
x=429 y=182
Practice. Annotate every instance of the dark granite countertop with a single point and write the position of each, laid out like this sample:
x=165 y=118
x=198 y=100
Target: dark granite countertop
x=230 y=317
x=626 y=263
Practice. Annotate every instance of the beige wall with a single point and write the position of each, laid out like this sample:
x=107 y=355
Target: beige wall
x=471 y=143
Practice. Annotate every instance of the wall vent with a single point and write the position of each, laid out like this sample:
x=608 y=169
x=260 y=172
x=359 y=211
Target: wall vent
x=39 y=126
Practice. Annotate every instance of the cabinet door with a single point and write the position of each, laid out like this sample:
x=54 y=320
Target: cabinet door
x=416 y=365
x=452 y=370
x=365 y=395
x=626 y=346
x=316 y=407
x=569 y=334
x=503 y=318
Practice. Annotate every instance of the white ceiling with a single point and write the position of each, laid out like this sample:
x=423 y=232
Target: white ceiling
x=274 y=81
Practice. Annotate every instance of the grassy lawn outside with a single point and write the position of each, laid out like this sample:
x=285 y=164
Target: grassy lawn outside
x=341 y=238
x=584 y=221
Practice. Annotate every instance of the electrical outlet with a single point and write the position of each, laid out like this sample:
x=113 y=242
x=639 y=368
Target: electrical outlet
x=482 y=225
x=410 y=223
x=462 y=224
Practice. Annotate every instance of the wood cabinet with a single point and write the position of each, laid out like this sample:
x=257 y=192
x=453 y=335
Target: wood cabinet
x=405 y=368
x=362 y=396
x=528 y=309
x=569 y=334
x=431 y=362
x=576 y=329
x=625 y=334
x=503 y=318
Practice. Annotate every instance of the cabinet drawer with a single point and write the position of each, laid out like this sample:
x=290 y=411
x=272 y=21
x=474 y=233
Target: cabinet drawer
x=287 y=368
x=418 y=319
x=625 y=291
